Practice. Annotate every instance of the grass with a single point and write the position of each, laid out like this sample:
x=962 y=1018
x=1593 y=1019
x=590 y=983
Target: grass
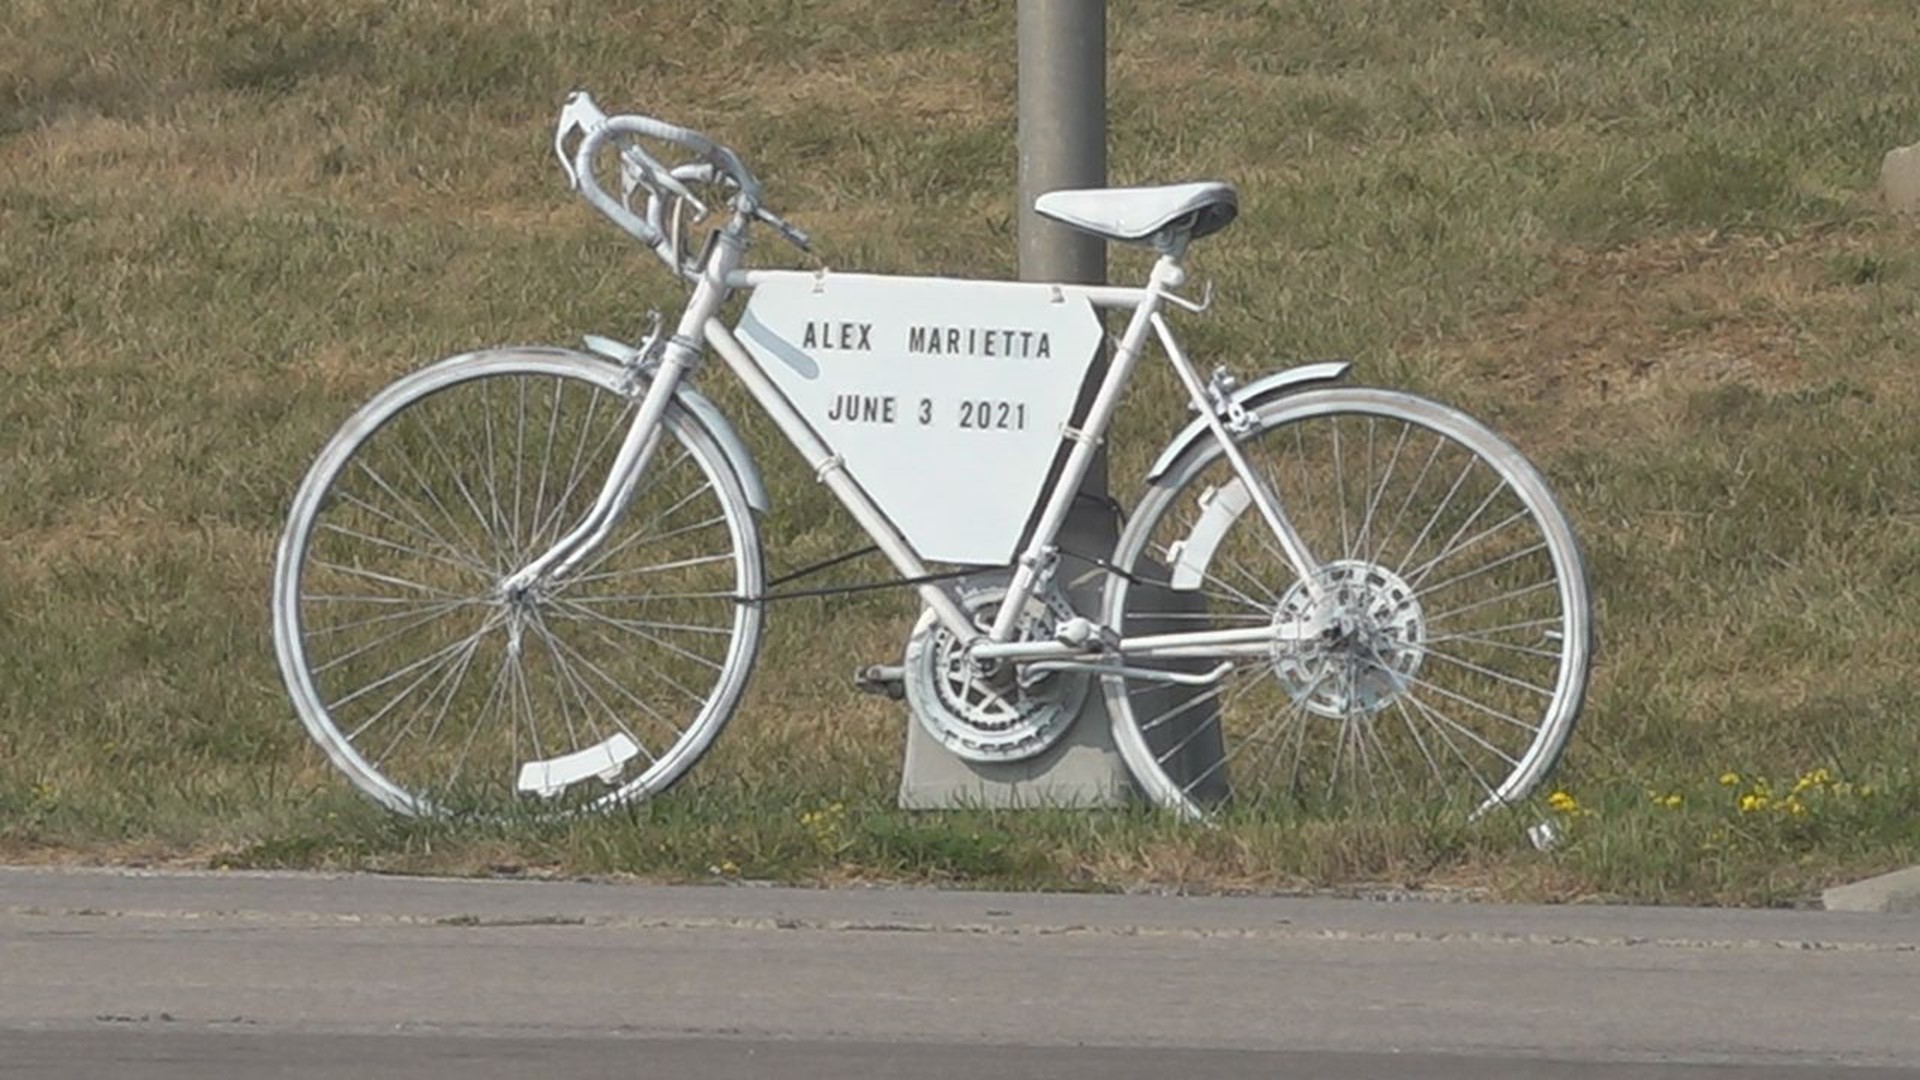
x=1636 y=236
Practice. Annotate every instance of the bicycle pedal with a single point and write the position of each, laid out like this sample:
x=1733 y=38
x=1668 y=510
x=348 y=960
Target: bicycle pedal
x=881 y=679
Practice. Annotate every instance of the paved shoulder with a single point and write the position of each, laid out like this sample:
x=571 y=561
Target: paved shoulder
x=315 y=955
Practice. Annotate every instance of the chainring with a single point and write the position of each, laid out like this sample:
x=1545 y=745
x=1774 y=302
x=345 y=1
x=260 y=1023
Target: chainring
x=987 y=715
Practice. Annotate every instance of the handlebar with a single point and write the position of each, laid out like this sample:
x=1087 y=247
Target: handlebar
x=714 y=165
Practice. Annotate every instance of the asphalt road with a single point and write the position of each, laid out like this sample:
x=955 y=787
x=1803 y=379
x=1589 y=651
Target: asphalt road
x=243 y=975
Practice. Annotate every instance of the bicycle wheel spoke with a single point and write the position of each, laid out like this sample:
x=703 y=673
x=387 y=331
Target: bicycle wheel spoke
x=547 y=529
x=642 y=531
x=1446 y=726
x=382 y=542
x=637 y=631
x=1438 y=512
x=1370 y=731
x=617 y=687
x=1491 y=674
x=1240 y=744
x=490 y=461
x=519 y=451
x=361 y=598
x=413 y=606
x=387 y=579
x=583 y=690
x=627 y=598
x=1453 y=542
x=1175 y=713
x=538 y=511
x=421 y=525
x=656 y=568
x=586 y=573
x=1419 y=576
x=446 y=690
x=1227 y=592
x=1503 y=560
x=1413 y=732
x=654 y=671
x=638 y=625
x=1491 y=643
x=1254 y=580
x=419 y=620
x=1152 y=615
x=481 y=721
x=1418 y=484
x=1440 y=729
x=1340 y=489
x=431 y=662
x=1487 y=710
x=1513 y=594
x=1380 y=489
x=458 y=477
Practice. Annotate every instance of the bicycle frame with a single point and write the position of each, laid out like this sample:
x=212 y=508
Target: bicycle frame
x=721 y=276
x=414 y=663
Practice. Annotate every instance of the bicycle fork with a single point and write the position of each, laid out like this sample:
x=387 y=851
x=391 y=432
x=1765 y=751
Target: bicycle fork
x=679 y=357
x=636 y=450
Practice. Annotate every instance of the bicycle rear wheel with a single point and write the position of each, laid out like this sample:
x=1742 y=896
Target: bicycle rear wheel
x=1441 y=653
x=436 y=690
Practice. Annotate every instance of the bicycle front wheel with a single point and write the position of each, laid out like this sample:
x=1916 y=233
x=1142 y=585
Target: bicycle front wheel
x=435 y=689
x=1438 y=652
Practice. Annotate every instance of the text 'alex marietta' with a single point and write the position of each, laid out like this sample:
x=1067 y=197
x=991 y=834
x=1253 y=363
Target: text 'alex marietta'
x=985 y=341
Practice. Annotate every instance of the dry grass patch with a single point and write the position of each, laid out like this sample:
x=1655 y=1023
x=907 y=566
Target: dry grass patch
x=1631 y=235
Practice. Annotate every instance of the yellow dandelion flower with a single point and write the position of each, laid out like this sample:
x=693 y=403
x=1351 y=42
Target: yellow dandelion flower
x=1563 y=802
x=1751 y=802
x=1729 y=779
x=1673 y=801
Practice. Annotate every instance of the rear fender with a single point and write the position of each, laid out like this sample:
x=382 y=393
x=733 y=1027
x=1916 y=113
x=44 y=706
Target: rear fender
x=1257 y=392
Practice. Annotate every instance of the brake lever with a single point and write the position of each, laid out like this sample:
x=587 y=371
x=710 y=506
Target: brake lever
x=638 y=168
x=580 y=115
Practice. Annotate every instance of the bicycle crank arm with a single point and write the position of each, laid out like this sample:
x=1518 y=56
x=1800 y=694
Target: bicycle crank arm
x=1046 y=667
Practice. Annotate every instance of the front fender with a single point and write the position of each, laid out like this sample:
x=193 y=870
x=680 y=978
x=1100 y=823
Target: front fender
x=1268 y=386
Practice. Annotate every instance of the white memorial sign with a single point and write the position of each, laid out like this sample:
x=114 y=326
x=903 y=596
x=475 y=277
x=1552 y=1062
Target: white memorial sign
x=945 y=398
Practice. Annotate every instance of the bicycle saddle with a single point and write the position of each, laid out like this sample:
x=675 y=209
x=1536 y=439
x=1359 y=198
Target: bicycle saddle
x=1140 y=213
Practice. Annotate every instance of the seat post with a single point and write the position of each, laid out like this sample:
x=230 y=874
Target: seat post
x=1172 y=242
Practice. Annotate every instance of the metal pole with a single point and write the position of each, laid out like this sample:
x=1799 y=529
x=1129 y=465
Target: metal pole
x=1062 y=139
x=1062 y=131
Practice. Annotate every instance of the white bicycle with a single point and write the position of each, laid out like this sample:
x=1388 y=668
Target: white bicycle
x=532 y=577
